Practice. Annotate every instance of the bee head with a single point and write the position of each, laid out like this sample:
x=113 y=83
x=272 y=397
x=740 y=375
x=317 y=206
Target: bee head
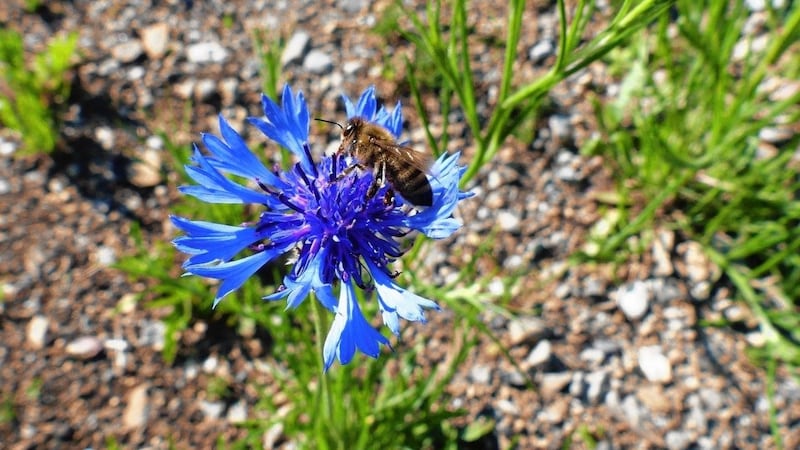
x=352 y=127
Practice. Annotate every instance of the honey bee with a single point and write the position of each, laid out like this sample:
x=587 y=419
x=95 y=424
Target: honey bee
x=402 y=167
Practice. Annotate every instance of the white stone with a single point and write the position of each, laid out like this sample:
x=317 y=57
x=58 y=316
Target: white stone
x=119 y=345
x=138 y=407
x=632 y=410
x=481 y=374
x=318 y=62
x=105 y=137
x=204 y=89
x=207 y=52
x=508 y=221
x=296 y=48
x=540 y=354
x=37 y=331
x=155 y=142
x=597 y=385
x=85 y=347
x=106 y=256
x=127 y=51
x=560 y=126
x=212 y=410
x=237 y=413
x=526 y=329
x=634 y=300
x=553 y=383
x=147 y=171
x=654 y=365
x=155 y=39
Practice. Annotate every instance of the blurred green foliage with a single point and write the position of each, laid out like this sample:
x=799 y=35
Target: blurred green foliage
x=34 y=89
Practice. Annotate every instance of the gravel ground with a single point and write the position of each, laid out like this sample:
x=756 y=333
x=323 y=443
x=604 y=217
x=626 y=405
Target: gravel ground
x=618 y=351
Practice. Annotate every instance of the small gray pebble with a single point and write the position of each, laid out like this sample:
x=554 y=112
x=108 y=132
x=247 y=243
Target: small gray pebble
x=576 y=385
x=152 y=334
x=212 y=410
x=106 y=256
x=677 y=440
x=560 y=126
x=632 y=410
x=541 y=50
x=127 y=51
x=525 y=330
x=597 y=385
x=481 y=374
x=554 y=383
x=351 y=6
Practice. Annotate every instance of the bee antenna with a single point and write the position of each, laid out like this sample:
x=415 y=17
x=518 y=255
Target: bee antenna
x=330 y=121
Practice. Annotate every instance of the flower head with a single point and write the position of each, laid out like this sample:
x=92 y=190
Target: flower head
x=321 y=211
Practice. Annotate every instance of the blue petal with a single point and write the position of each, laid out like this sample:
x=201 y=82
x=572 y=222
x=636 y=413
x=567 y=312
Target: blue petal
x=214 y=187
x=233 y=156
x=350 y=331
x=394 y=120
x=296 y=108
x=288 y=126
x=396 y=302
x=233 y=274
x=297 y=288
x=209 y=242
x=366 y=106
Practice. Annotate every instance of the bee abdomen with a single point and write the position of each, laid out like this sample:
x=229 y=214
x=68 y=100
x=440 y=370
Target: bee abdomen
x=412 y=184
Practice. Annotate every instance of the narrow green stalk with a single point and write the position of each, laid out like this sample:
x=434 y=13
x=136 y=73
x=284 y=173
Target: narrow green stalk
x=515 y=10
x=324 y=398
x=596 y=48
x=561 y=58
x=467 y=85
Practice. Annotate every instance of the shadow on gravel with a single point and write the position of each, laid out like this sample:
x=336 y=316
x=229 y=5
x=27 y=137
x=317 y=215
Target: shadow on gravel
x=99 y=174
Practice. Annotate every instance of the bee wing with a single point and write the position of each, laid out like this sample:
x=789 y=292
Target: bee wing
x=418 y=160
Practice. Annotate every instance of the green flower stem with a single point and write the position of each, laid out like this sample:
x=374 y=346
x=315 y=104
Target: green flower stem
x=324 y=396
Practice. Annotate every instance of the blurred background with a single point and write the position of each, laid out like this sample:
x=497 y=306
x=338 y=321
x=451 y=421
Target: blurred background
x=627 y=275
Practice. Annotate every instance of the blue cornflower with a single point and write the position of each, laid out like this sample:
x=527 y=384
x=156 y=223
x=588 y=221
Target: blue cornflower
x=323 y=216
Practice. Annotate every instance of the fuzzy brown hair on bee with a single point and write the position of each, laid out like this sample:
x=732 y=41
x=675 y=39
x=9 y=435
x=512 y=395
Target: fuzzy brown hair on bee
x=402 y=167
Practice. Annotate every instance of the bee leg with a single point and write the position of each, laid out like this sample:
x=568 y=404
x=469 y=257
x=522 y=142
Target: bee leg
x=373 y=189
x=347 y=171
x=388 y=198
x=379 y=175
